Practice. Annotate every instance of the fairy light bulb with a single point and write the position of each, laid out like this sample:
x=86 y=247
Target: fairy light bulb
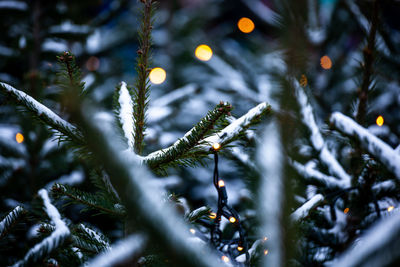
x=192 y=231
x=266 y=251
x=19 y=138
x=379 y=121
x=390 y=208
x=346 y=210
x=203 y=52
x=326 y=62
x=216 y=146
x=157 y=75
x=265 y=238
x=232 y=219
x=221 y=183
x=225 y=258
x=212 y=215
x=239 y=248
x=245 y=25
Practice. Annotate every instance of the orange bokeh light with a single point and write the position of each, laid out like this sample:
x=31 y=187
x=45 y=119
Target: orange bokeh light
x=379 y=121
x=346 y=210
x=245 y=25
x=19 y=137
x=326 y=62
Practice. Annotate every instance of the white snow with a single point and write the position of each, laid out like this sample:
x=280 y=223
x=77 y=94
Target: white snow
x=53 y=45
x=263 y=11
x=94 y=235
x=69 y=27
x=74 y=178
x=15 y=212
x=18 y=5
x=270 y=159
x=304 y=209
x=125 y=114
x=317 y=141
x=123 y=250
x=38 y=108
x=379 y=149
x=6 y=51
x=57 y=236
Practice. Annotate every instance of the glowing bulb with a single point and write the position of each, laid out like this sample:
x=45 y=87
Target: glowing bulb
x=265 y=238
x=216 y=146
x=203 y=52
x=157 y=75
x=346 y=210
x=19 y=137
x=239 y=248
x=390 y=208
x=232 y=219
x=303 y=80
x=379 y=121
x=265 y=251
x=326 y=62
x=225 y=258
x=245 y=25
x=192 y=231
x=221 y=183
x=212 y=215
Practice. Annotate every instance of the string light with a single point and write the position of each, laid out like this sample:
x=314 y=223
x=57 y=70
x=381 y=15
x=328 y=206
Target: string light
x=265 y=238
x=379 y=121
x=390 y=208
x=203 y=52
x=232 y=219
x=157 y=75
x=192 y=231
x=303 y=80
x=239 y=248
x=212 y=215
x=225 y=258
x=245 y=25
x=346 y=210
x=326 y=62
x=19 y=137
x=265 y=251
x=216 y=146
x=221 y=183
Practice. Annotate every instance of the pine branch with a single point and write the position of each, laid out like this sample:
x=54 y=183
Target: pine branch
x=197 y=214
x=50 y=243
x=130 y=181
x=368 y=54
x=317 y=141
x=10 y=220
x=40 y=111
x=375 y=146
x=89 y=240
x=70 y=75
x=142 y=88
x=190 y=140
x=92 y=201
x=305 y=209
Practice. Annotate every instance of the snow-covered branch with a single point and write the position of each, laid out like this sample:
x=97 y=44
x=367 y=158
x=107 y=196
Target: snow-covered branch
x=317 y=141
x=120 y=252
x=10 y=219
x=379 y=246
x=42 y=112
x=125 y=114
x=51 y=242
x=379 y=149
x=304 y=209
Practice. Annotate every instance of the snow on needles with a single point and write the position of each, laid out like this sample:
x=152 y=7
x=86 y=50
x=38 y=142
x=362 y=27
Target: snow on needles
x=316 y=138
x=373 y=144
x=125 y=114
x=57 y=236
x=304 y=209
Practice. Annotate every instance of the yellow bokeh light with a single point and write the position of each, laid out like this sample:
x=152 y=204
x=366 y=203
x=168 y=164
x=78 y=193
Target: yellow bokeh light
x=379 y=121
x=192 y=231
x=245 y=25
x=303 y=80
x=203 y=52
x=265 y=238
x=216 y=146
x=326 y=62
x=221 y=183
x=232 y=219
x=19 y=137
x=389 y=209
x=225 y=258
x=346 y=210
x=239 y=248
x=157 y=75
x=212 y=215
x=266 y=252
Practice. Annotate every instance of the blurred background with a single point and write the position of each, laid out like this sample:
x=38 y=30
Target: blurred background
x=211 y=51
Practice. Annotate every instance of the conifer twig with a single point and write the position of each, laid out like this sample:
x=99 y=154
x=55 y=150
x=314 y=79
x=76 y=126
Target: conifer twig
x=43 y=113
x=305 y=209
x=142 y=68
x=7 y=223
